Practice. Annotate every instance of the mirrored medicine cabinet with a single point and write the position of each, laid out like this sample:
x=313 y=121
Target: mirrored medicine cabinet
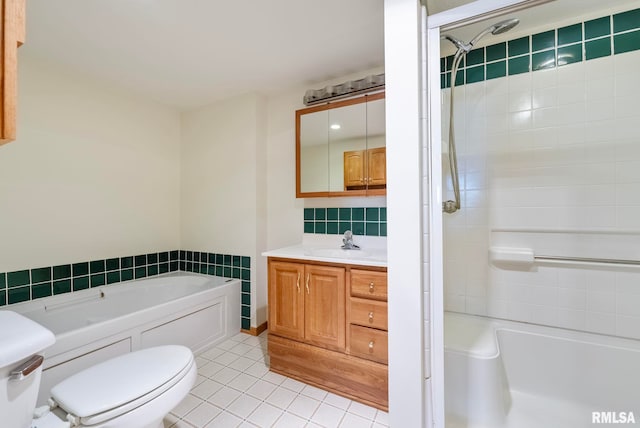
x=340 y=148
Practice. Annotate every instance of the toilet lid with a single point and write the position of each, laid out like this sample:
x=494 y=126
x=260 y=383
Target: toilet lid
x=126 y=382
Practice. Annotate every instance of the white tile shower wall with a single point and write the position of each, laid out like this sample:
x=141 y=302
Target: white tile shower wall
x=553 y=150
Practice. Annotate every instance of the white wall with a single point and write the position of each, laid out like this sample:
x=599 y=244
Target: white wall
x=93 y=174
x=549 y=161
x=404 y=213
x=223 y=190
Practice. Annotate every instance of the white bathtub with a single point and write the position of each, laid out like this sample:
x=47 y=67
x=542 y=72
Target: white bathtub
x=502 y=374
x=94 y=325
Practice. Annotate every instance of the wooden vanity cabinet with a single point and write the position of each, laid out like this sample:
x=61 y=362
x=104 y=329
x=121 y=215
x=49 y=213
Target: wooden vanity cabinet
x=306 y=302
x=323 y=318
x=12 y=35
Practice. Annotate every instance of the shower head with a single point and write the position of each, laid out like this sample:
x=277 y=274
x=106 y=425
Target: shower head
x=498 y=28
x=504 y=26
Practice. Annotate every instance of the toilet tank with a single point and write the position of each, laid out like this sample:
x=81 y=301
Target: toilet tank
x=21 y=341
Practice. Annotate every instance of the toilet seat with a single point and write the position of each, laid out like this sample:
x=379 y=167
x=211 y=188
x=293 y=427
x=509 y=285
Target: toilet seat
x=121 y=384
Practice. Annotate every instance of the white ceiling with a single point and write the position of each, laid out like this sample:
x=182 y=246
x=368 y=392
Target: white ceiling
x=188 y=53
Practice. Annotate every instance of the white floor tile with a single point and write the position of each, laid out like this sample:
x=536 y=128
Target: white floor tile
x=274 y=378
x=235 y=388
x=212 y=353
x=243 y=406
x=202 y=414
x=337 y=401
x=224 y=420
x=170 y=420
x=206 y=389
x=261 y=389
x=313 y=392
x=258 y=369
x=255 y=354
x=303 y=406
x=360 y=409
x=240 y=337
x=224 y=397
x=242 y=382
x=281 y=398
x=225 y=375
x=210 y=369
x=253 y=341
x=226 y=358
x=293 y=385
x=227 y=344
x=189 y=403
x=382 y=418
x=289 y=420
x=354 y=421
x=328 y=416
x=241 y=349
x=265 y=415
x=241 y=364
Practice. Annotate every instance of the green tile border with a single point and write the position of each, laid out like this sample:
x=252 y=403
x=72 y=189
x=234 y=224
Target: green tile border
x=366 y=221
x=582 y=41
x=30 y=284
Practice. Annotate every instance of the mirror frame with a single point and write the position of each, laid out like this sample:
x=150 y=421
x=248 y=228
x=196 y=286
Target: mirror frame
x=332 y=105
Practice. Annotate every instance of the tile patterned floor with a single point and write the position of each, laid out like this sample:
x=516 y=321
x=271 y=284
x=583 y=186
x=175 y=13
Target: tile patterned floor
x=236 y=389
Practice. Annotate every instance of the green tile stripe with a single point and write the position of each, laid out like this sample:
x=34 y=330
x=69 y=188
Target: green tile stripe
x=30 y=284
x=225 y=265
x=367 y=221
x=582 y=41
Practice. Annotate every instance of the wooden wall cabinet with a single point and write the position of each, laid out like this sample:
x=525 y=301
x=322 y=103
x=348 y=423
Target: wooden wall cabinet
x=12 y=35
x=328 y=327
x=327 y=134
x=365 y=169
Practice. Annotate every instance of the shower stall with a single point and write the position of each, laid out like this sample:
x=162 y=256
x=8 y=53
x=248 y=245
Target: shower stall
x=534 y=213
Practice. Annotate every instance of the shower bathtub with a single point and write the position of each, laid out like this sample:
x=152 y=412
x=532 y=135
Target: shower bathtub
x=504 y=374
x=96 y=324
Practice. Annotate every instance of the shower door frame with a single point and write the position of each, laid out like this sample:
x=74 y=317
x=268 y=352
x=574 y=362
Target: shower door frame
x=478 y=10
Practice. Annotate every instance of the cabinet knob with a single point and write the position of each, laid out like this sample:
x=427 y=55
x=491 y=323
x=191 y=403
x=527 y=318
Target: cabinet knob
x=371 y=346
x=371 y=287
x=370 y=316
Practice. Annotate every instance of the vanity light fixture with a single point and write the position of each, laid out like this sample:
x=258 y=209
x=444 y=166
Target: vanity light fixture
x=375 y=82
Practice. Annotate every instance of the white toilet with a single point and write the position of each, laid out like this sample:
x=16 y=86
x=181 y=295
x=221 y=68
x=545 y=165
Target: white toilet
x=134 y=390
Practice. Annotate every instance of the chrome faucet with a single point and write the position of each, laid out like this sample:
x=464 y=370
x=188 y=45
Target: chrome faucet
x=348 y=241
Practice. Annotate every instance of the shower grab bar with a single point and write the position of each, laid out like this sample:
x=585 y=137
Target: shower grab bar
x=522 y=257
x=590 y=260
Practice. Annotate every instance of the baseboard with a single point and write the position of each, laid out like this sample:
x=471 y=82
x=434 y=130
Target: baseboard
x=256 y=331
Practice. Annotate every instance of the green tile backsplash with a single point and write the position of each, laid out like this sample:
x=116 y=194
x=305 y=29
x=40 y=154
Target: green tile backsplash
x=370 y=221
x=31 y=284
x=578 y=42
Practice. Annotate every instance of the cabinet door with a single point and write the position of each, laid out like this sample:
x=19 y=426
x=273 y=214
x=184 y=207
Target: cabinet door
x=354 y=162
x=286 y=299
x=377 y=163
x=325 y=314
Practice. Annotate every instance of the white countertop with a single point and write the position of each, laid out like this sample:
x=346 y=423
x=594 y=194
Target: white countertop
x=326 y=248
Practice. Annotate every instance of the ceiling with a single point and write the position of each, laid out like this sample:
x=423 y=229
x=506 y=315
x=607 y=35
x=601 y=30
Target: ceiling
x=188 y=53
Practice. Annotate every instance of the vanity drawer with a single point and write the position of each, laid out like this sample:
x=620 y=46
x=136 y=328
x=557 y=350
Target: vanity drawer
x=368 y=343
x=369 y=284
x=369 y=313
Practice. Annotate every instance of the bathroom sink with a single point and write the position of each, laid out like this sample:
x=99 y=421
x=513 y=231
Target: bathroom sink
x=337 y=253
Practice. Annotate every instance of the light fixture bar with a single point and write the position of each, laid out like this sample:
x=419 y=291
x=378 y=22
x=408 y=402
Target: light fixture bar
x=374 y=82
